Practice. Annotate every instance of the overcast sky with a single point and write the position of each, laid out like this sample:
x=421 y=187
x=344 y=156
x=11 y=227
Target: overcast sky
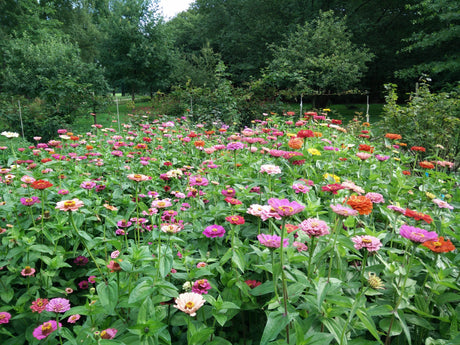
x=173 y=7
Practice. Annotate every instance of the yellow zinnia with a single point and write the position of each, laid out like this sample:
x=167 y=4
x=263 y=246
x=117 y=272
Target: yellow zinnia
x=314 y=152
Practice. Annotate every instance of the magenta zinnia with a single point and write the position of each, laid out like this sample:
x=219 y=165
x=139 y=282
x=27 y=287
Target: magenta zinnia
x=58 y=305
x=284 y=207
x=416 y=234
x=214 y=231
x=272 y=241
x=42 y=331
x=201 y=286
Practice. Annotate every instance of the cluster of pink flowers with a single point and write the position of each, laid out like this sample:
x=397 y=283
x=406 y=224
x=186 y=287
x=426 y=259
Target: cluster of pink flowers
x=272 y=241
x=371 y=243
x=417 y=235
x=314 y=227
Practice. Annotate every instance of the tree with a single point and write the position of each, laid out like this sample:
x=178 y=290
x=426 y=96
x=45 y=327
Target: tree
x=319 y=58
x=433 y=49
x=135 y=50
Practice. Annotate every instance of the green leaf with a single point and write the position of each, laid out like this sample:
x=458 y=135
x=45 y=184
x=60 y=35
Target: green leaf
x=396 y=328
x=201 y=336
x=400 y=316
x=369 y=324
x=108 y=295
x=317 y=339
x=41 y=248
x=335 y=326
x=263 y=289
x=140 y=292
x=238 y=260
x=165 y=265
x=226 y=256
x=276 y=322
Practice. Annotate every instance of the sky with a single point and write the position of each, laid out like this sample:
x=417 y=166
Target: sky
x=173 y=7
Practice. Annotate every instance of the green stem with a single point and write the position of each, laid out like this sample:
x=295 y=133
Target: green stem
x=86 y=247
x=275 y=278
x=403 y=287
x=283 y=276
x=336 y=230
x=310 y=252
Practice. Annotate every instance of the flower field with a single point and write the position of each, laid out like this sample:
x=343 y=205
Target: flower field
x=293 y=231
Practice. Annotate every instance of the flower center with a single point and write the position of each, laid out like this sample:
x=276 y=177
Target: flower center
x=69 y=203
x=27 y=269
x=189 y=305
x=366 y=240
x=47 y=328
x=286 y=208
x=437 y=244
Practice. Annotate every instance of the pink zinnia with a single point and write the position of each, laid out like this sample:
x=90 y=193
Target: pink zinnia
x=371 y=243
x=269 y=212
x=376 y=198
x=416 y=234
x=42 y=331
x=28 y=271
x=108 y=333
x=270 y=169
x=442 y=204
x=284 y=207
x=139 y=177
x=58 y=305
x=30 y=201
x=300 y=246
x=314 y=227
x=189 y=302
x=363 y=155
x=161 y=203
x=255 y=210
x=39 y=305
x=69 y=205
x=214 y=230
x=230 y=192
x=88 y=184
x=272 y=241
x=4 y=317
x=201 y=286
x=300 y=188
x=237 y=220
x=333 y=188
x=73 y=318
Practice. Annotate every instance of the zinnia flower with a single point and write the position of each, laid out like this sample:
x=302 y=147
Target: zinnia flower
x=201 y=286
x=426 y=165
x=214 y=230
x=73 y=318
x=440 y=245
x=58 y=305
x=416 y=234
x=270 y=169
x=30 y=201
x=333 y=188
x=371 y=243
x=314 y=227
x=39 y=305
x=237 y=220
x=189 y=302
x=393 y=136
x=252 y=283
x=139 y=177
x=28 y=271
x=44 y=330
x=4 y=317
x=284 y=207
x=376 y=198
x=114 y=266
x=418 y=215
x=272 y=241
x=360 y=203
x=41 y=184
x=69 y=205
x=343 y=211
x=108 y=333
x=442 y=204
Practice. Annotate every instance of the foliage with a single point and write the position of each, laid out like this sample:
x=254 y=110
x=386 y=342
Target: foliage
x=119 y=232
x=429 y=119
x=433 y=45
x=319 y=58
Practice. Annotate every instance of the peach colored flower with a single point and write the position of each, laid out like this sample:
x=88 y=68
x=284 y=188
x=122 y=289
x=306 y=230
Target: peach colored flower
x=69 y=205
x=189 y=302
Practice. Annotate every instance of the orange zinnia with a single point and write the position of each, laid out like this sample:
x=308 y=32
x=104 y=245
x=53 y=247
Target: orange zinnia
x=198 y=143
x=393 y=136
x=318 y=134
x=439 y=246
x=426 y=165
x=364 y=147
x=295 y=143
x=360 y=203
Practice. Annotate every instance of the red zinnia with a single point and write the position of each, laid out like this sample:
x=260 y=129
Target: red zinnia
x=418 y=148
x=393 y=136
x=233 y=201
x=406 y=172
x=41 y=184
x=364 y=147
x=418 y=215
x=305 y=133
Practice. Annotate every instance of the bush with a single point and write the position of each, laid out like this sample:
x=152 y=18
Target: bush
x=428 y=119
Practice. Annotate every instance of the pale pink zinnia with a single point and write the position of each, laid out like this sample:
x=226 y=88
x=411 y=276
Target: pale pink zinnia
x=189 y=302
x=58 y=305
x=343 y=210
x=314 y=227
x=376 y=198
x=442 y=204
x=69 y=205
x=371 y=243
x=270 y=169
x=139 y=177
